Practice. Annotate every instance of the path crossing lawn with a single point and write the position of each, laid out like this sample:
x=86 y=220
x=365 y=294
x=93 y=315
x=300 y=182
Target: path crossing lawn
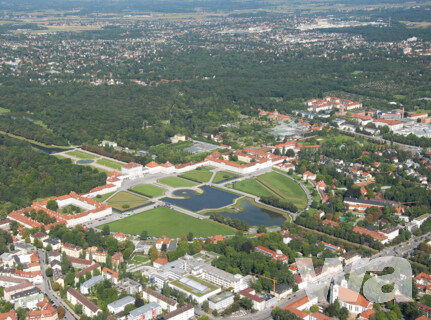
x=103 y=197
x=148 y=190
x=202 y=175
x=123 y=201
x=223 y=175
x=177 y=182
x=164 y=221
x=110 y=164
x=253 y=187
x=274 y=184
x=81 y=154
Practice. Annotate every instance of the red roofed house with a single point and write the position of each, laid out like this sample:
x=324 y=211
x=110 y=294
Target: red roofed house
x=162 y=240
x=110 y=275
x=44 y=311
x=297 y=307
x=117 y=258
x=352 y=300
x=159 y=262
x=258 y=303
x=217 y=238
x=332 y=247
x=119 y=236
x=366 y=315
x=374 y=234
x=11 y=315
x=307 y=175
x=423 y=280
x=272 y=254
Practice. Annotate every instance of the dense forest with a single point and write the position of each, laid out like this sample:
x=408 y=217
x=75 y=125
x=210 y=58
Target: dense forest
x=140 y=117
x=26 y=175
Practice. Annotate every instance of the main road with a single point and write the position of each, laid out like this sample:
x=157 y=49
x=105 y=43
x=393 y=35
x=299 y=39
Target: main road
x=45 y=287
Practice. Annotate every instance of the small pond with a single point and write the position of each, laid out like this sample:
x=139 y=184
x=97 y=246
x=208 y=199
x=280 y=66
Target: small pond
x=211 y=198
x=256 y=216
x=85 y=161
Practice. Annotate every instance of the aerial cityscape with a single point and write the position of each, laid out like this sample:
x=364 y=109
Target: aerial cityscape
x=232 y=159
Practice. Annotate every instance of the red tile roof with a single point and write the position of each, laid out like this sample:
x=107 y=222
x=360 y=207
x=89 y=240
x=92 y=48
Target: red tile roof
x=161 y=261
x=131 y=165
x=353 y=297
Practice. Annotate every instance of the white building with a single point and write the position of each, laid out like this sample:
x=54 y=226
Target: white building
x=353 y=301
x=393 y=125
x=195 y=288
x=221 y=301
x=163 y=301
x=147 y=312
x=132 y=170
x=119 y=305
x=184 y=313
x=87 y=285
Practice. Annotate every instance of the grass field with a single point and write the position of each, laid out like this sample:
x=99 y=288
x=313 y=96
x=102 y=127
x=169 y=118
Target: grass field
x=163 y=221
x=124 y=198
x=274 y=184
x=253 y=187
x=103 y=197
x=110 y=164
x=81 y=155
x=148 y=190
x=177 y=182
x=201 y=175
x=4 y=110
x=137 y=259
x=223 y=175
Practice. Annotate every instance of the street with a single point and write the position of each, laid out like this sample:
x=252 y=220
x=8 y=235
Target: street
x=45 y=287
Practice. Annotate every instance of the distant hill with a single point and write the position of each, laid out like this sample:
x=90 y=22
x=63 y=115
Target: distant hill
x=172 y=5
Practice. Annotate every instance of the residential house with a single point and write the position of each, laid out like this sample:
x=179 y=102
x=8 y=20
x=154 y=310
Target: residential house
x=88 y=307
x=164 y=302
x=110 y=275
x=118 y=306
x=147 y=312
x=184 y=313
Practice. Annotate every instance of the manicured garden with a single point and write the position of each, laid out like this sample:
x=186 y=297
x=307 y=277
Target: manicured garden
x=81 y=154
x=198 y=175
x=148 y=190
x=103 y=197
x=274 y=184
x=224 y=175
x=124 y=201
x=164 y=221
x=177 y=182
x=110 y=164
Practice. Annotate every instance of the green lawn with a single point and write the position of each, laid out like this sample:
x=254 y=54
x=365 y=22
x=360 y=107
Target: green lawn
x=149 y=190
x=274 y=184
x=81 y=154
x=103 y=197
x=164 y=221
x=4 y=110
x=177 y=182
x=201 y=175
x=224 y=175
x=110 y=164
x=253 y=187
x=285 y=187
x=123 y=198
x=137 y=259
